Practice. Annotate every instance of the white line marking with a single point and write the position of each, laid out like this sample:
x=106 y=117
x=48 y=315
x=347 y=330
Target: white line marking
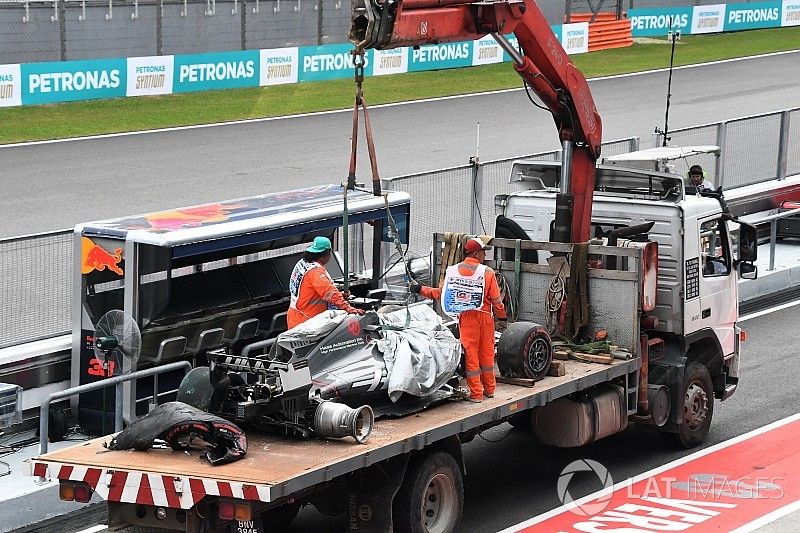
x=770 y=310
x=94 y=529
x=410 y=102
x=654 y=472
x=768 y=518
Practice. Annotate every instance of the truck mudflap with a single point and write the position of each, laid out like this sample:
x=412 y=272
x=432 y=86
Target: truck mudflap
x=129 y=486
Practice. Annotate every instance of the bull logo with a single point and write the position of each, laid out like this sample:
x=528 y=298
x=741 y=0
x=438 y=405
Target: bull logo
x=95 y=257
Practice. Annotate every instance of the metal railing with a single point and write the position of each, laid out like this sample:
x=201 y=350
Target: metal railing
x=773 y=230
x=116 y=381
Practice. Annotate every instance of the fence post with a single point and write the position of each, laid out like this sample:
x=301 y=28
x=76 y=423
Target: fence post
x=719 y=163
x=160 y=27
x=62 y=28
x=567 y=11
x=476 y=192
x=320 y=21
x=783 y=145
x=244 y=24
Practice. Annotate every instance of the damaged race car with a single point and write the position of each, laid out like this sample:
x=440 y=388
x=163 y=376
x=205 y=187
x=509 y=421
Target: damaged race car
x=332 y=375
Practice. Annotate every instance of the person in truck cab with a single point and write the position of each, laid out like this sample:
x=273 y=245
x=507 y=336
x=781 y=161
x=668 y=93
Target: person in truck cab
x=470 y=292
x=697 y=179
x=311 y=289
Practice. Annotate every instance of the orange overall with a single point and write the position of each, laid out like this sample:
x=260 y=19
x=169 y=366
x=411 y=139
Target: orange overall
x=477 y=330
x=315 y=293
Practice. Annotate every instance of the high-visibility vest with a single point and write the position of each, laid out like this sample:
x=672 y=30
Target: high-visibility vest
x=300 y=270
x=463 y=293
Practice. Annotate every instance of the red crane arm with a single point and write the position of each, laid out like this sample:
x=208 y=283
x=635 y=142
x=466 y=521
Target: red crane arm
x=543 y=64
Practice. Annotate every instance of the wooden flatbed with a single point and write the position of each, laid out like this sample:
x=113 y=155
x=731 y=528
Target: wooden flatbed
x=275 y=467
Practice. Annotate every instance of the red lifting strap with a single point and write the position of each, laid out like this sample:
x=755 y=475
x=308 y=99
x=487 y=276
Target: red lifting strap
x=358 y=62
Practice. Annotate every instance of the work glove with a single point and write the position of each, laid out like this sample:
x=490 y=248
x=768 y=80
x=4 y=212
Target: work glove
x=355 y=311
x=415 y=287
x=502 y=324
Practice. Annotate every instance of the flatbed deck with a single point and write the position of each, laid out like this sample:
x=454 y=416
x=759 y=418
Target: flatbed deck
x=275 y=467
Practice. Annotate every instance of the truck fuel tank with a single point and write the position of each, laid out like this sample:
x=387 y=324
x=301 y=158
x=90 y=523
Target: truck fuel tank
x=571 y=422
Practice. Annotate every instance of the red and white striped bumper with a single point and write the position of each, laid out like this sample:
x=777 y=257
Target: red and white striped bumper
x=178 y=492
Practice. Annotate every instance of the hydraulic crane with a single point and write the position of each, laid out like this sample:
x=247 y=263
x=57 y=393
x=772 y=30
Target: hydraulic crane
x=541 y=61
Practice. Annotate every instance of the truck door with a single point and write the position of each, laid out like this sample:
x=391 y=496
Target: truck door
x=718 y=305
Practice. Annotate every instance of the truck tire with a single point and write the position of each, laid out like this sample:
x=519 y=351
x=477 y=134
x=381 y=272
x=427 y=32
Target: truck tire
x=524 y=350
x=431 y=497
x=195 y=388
x=278 y=518
x=698 y=409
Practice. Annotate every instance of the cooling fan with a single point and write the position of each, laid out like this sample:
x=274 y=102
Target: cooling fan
x=117 y=342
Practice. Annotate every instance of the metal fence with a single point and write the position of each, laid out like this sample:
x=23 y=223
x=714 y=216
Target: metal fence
x=53 y=30
x=35 y=271
x=36 y=287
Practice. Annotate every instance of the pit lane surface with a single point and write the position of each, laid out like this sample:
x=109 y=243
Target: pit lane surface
x=513 y=480
x=57 y=185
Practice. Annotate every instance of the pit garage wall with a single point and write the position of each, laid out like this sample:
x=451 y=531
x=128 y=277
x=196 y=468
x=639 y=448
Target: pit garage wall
x=42 y=83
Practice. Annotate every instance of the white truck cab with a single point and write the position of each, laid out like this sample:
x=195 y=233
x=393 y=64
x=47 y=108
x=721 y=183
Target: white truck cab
x=696 y=307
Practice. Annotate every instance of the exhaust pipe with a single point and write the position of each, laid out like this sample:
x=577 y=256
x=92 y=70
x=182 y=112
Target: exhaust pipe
x=336 y=420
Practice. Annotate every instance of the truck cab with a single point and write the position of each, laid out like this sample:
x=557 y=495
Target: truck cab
x=701 y=254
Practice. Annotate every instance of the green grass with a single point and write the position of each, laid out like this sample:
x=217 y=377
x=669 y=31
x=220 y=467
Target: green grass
x=131 y=114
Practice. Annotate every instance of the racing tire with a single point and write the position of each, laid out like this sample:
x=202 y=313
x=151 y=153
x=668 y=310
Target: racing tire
x=698 y=409
x=279 y=518
x=431 y=498
x=524 y=350
x=195 y=388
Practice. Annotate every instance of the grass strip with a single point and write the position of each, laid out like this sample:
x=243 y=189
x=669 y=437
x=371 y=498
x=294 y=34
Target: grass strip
x=56 y=121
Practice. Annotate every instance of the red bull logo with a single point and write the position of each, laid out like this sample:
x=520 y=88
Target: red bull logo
x=95 y=257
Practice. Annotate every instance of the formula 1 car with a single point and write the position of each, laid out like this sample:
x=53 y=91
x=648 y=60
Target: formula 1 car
x=324 y=377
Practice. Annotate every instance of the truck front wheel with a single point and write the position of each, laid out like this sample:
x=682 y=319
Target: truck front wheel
x=431 y=496
x=698 y=409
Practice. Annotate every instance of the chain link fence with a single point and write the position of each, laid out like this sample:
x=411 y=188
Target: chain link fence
x=36 y=287
x=54 y=30
x=35 y=271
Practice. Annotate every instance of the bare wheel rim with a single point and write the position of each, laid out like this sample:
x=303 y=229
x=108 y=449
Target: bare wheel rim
x=438 y=504
x=695 y=406
x=537 y=355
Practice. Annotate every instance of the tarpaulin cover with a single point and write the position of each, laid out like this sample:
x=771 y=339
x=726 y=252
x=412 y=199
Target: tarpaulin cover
x=422 y=355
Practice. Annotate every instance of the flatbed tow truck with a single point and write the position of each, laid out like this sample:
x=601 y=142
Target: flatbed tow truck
x=671 y=286
x=276 y=470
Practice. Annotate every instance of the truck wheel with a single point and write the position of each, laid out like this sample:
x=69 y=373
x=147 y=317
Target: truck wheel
x=431 y=496
x=698 y=409
x=278 y=518
x=524 y=350
x=195 y=388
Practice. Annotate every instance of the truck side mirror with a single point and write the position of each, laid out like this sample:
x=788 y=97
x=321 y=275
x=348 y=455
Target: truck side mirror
x=748 y=243
x=748 y=271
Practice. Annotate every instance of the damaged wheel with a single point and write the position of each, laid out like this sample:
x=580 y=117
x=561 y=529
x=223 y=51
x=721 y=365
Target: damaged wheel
x=524 y=350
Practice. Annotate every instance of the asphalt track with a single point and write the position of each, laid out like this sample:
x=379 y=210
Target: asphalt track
x=57 y=185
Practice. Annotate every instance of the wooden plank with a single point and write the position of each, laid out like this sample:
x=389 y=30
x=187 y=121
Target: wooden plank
x=522 y=382
x=593 y=272
x=592 y=358
x=557 y=369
